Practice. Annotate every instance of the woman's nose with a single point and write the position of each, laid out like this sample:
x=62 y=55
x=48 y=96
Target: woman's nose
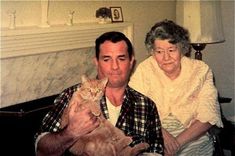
x=166 y=56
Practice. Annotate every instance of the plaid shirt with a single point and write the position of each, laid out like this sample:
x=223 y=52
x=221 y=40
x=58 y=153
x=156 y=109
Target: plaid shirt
x=138 y=117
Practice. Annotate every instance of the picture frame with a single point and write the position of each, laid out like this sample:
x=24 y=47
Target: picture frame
x=116 y=14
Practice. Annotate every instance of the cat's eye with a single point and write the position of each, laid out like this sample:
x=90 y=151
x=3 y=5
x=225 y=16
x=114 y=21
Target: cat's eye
x=98 y=90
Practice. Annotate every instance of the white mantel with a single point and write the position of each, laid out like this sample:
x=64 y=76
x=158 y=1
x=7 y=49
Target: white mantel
x=36 y=40
x=38 y=62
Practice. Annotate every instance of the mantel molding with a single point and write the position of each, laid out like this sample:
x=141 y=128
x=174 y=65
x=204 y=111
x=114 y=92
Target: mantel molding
x=35 y=40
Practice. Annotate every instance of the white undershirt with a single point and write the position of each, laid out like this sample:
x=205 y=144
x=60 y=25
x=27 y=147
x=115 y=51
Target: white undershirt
x=113 y=112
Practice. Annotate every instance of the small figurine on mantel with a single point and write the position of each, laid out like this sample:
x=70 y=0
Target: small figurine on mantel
x=12 y=15
x=103 y=14
x=70 y=18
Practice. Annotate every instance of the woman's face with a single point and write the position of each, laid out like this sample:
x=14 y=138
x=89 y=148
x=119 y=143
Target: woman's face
x=168 y=57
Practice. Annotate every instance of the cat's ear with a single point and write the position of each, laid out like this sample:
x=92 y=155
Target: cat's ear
x=104 y=81
x=84 y=78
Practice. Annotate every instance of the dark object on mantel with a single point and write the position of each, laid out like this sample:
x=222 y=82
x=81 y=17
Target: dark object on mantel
x=19 y=123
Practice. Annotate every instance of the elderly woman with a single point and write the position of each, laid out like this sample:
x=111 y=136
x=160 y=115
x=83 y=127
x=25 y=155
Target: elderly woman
x=182 y=89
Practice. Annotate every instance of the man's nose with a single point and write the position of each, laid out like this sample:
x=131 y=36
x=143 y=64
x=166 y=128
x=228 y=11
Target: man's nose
x=114 y=64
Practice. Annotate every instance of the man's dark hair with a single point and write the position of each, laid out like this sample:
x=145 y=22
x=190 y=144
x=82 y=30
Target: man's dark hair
x=114 y=37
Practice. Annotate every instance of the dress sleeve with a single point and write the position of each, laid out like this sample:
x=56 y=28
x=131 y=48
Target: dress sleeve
x=208 y=107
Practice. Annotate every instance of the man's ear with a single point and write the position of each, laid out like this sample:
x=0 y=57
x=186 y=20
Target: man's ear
x=133 y=61
x=95 y=61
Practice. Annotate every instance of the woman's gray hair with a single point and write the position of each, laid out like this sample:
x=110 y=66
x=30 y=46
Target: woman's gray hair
x=168 y=30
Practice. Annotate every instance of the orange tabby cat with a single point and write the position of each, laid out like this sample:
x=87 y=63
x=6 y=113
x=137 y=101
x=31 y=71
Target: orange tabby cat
x=106 y=140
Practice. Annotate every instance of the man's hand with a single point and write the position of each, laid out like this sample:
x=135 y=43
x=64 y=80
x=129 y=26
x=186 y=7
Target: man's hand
x=123 y=149
x=80 y=119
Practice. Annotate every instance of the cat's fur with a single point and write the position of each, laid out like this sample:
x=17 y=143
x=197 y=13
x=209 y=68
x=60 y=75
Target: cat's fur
x=106 y=140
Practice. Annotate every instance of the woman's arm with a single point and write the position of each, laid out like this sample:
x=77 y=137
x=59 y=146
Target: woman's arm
x=207 y=110
x=196 y=130
x=171 y=145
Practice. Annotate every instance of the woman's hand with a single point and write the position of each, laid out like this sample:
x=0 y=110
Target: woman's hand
x=171 y=145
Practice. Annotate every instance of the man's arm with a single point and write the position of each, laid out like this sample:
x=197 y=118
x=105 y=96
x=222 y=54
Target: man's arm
x=54 y=144
x=80 y=122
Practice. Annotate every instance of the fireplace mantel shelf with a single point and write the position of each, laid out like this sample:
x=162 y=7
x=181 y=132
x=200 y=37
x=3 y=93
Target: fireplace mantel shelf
x=35 y=40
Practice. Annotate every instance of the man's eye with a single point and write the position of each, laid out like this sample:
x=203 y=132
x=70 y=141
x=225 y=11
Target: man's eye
x=122 y=58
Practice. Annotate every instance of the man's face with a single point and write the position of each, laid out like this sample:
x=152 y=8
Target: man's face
x=114 y=63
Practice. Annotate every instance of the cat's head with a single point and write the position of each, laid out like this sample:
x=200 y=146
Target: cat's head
x=92 y=89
